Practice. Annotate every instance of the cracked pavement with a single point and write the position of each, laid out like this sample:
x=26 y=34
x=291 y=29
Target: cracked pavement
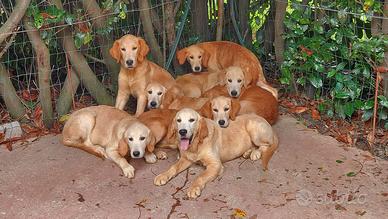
x=310 y=176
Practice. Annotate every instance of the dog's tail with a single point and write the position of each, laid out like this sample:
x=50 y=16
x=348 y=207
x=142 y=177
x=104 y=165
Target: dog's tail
x=268 y=88
x=267 y=154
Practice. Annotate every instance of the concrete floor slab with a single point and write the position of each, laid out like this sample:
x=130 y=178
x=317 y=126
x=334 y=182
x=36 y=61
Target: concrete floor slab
x=307 y=179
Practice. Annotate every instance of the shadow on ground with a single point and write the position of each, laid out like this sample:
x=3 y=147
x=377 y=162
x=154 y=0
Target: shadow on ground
x=310 y=176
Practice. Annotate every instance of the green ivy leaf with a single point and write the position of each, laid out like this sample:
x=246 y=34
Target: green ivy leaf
x=316 y=81
x=69 y=19
x=79 y=39
x=351 y=174
x=349 y=109
x=339 y=161
x=369 y=104
x=331 y=73
x=383 y=101
x=367 y=115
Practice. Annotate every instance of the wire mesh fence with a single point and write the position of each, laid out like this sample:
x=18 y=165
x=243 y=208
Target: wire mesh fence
x=330 y=47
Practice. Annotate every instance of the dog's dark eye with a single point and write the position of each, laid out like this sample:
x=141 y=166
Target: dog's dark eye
x=179 y=120
x=215 y=110
x=159 y=93
x=230 y=80
x=150 y=91
x=123 y=49
x=239 y=80
x=226 y=109
x=134 y=48
x=199 y=57
x=191 y=57
x=130 y=139
x=191 y=120
x=142 y=138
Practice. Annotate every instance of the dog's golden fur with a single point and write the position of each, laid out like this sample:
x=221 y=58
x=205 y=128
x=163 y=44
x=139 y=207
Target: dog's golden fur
x=211 y=145
x=108 y=132
x=136 y=71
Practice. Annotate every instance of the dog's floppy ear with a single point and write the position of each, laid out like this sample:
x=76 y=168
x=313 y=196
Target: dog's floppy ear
x=172 y=130
x=203 y=132
x=170 y=95
x=115 y=51
x=181 y=55
x=206 y=110
x=151 y=141
x=143 y=50
x=234 y=109
x=205 y=59
x=248 y=77
x=123 y=147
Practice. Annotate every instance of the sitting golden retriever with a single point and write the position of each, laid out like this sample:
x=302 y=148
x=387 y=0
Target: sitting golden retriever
x=136 y=71
x=201 y=140
x=108 y=132
x=219 y=55
x=195 y=84
x=254 y=100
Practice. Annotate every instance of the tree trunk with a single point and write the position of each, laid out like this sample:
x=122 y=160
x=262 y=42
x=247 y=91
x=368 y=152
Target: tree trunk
x=66 y=96
x=243 y=17
x=279 y=30
x=170 y=13
x=220 y=20
x=200 y=19
x=87 y=76
x=13 y=20
x=149 y=32
x=269 y=30
x=8 y=92
x=42 y=56
x=105 y=41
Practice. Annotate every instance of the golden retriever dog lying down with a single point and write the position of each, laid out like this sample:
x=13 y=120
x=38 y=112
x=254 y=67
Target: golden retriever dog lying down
x=108 y=132
x=136 y=71
x=194 y=84
x=159 y=121
x=219 y=55
x=201 y=140
x=221 y=108
x=160 y=98
x=235 y=81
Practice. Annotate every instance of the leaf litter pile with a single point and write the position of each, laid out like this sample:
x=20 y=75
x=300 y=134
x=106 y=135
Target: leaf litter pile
x=353 y=133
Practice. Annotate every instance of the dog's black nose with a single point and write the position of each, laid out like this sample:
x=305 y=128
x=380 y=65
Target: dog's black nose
x=153 y=103
x=233 y=93
x=183 y=132
x=197 y=68
x=136 y=153
x=221 y=122
x=129 y=62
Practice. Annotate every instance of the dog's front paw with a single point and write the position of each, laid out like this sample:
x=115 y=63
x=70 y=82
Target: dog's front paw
x=150 y=158
x=129 y=171
x=161 y=155
x=247 y=153
x=255 y=155
x=194 y=192
x=161 y=179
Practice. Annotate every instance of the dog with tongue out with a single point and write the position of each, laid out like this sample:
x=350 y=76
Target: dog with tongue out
x=199 y=139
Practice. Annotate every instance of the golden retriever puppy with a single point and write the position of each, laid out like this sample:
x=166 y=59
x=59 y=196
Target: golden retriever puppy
x=159 y=121
x=254 y=100
x=136 y=71
x=201 y=140
x=159 y=97
x=108 y=132
x=194 y=84
x=219 y=55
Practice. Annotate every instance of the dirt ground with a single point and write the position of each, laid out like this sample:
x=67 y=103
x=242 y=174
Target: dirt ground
x=310 y=176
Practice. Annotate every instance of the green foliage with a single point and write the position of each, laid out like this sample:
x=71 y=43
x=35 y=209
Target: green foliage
x=332 y=54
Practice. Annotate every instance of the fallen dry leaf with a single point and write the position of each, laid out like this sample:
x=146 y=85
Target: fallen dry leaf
x=238 y=213
x=30 y=95
x=2 y=136
x=315 y=114
x=344 y=138
x=370 y=138
x=287 y=104
x=361 y=213
x=340 y=207
x=385 y=194
x=298 y=109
